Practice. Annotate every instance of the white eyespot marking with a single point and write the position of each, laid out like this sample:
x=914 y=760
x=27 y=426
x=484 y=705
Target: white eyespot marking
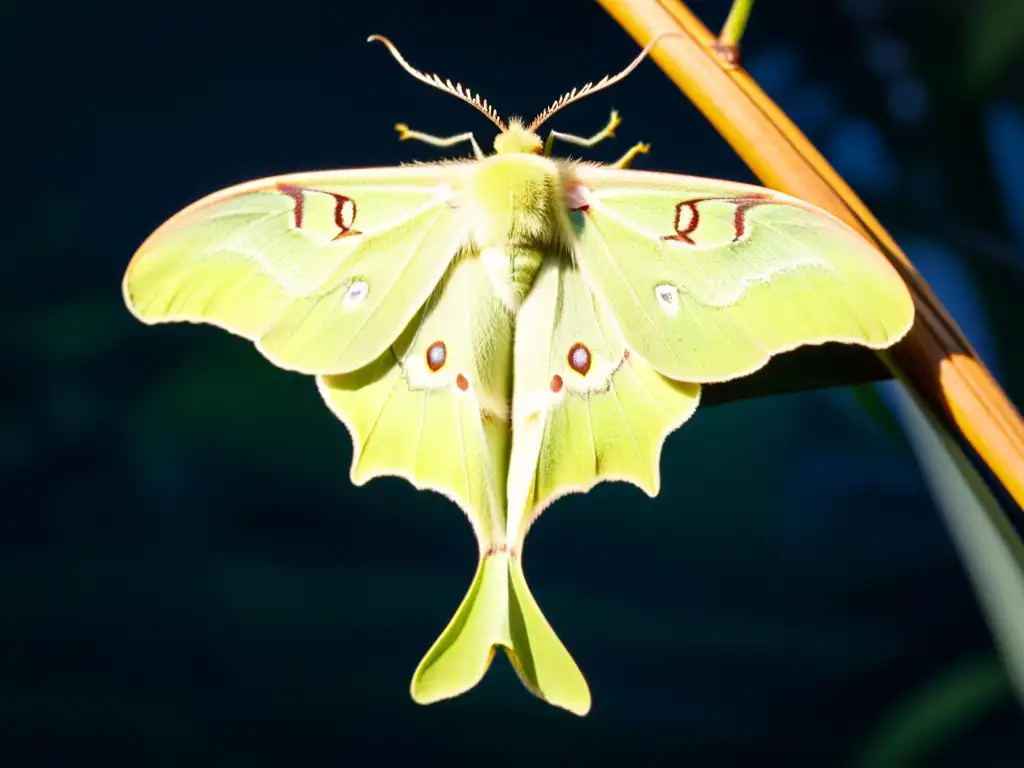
x=579 y=358
x=357 y=291
x=668 y=298
x=346 y=214
x=437 y=354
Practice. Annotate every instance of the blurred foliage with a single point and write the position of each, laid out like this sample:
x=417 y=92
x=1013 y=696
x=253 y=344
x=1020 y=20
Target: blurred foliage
x=186 y=572
x=949 y=705
x=995 y=36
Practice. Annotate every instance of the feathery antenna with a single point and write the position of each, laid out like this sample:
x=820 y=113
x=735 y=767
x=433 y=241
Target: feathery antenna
x=590 y=88
x=444 y=85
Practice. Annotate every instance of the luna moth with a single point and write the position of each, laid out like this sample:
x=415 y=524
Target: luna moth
x=511 y=328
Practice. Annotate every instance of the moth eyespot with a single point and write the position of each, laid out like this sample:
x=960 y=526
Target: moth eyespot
x=579 y=358
x=668 y=298
x=556 y=383
x=357 y=291
x=437 y=353
x=461 y=382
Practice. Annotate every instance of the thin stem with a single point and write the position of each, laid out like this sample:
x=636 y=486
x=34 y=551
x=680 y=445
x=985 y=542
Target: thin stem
x=736 y=23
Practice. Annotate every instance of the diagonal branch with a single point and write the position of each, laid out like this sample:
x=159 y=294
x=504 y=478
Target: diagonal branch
x=935 y=359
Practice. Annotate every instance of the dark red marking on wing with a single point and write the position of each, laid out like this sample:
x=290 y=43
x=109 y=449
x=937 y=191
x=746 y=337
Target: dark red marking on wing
x=344 y=228
x=739 y=222
x=743 y=205
x=344 y=217
x=461 y=382
x=295 y=193
x=683 y=235
x=556 y=383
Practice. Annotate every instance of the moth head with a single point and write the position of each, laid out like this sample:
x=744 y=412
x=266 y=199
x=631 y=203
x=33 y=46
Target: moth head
x=517 y=139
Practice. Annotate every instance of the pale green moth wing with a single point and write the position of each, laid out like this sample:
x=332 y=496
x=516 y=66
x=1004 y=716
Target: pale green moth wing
x=321 y=270
x=434 y=409
x=709 y=279
x=591 y=406
x=585 y=410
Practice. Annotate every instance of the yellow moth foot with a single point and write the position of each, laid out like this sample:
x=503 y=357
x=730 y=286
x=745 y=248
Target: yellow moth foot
x=626 y=159
x=613 y=122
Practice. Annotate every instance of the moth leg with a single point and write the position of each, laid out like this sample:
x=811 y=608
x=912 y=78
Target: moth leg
x=604 y=133
x=626 y=159
x=438 y=141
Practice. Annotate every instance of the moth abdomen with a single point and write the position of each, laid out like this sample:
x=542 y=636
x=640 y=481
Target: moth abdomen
x=512 y=268
x=525 y=263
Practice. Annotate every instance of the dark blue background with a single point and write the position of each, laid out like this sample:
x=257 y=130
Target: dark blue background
x=187 y=575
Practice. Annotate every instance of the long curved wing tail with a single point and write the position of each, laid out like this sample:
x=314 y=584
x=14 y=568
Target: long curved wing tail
x=499 y=610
